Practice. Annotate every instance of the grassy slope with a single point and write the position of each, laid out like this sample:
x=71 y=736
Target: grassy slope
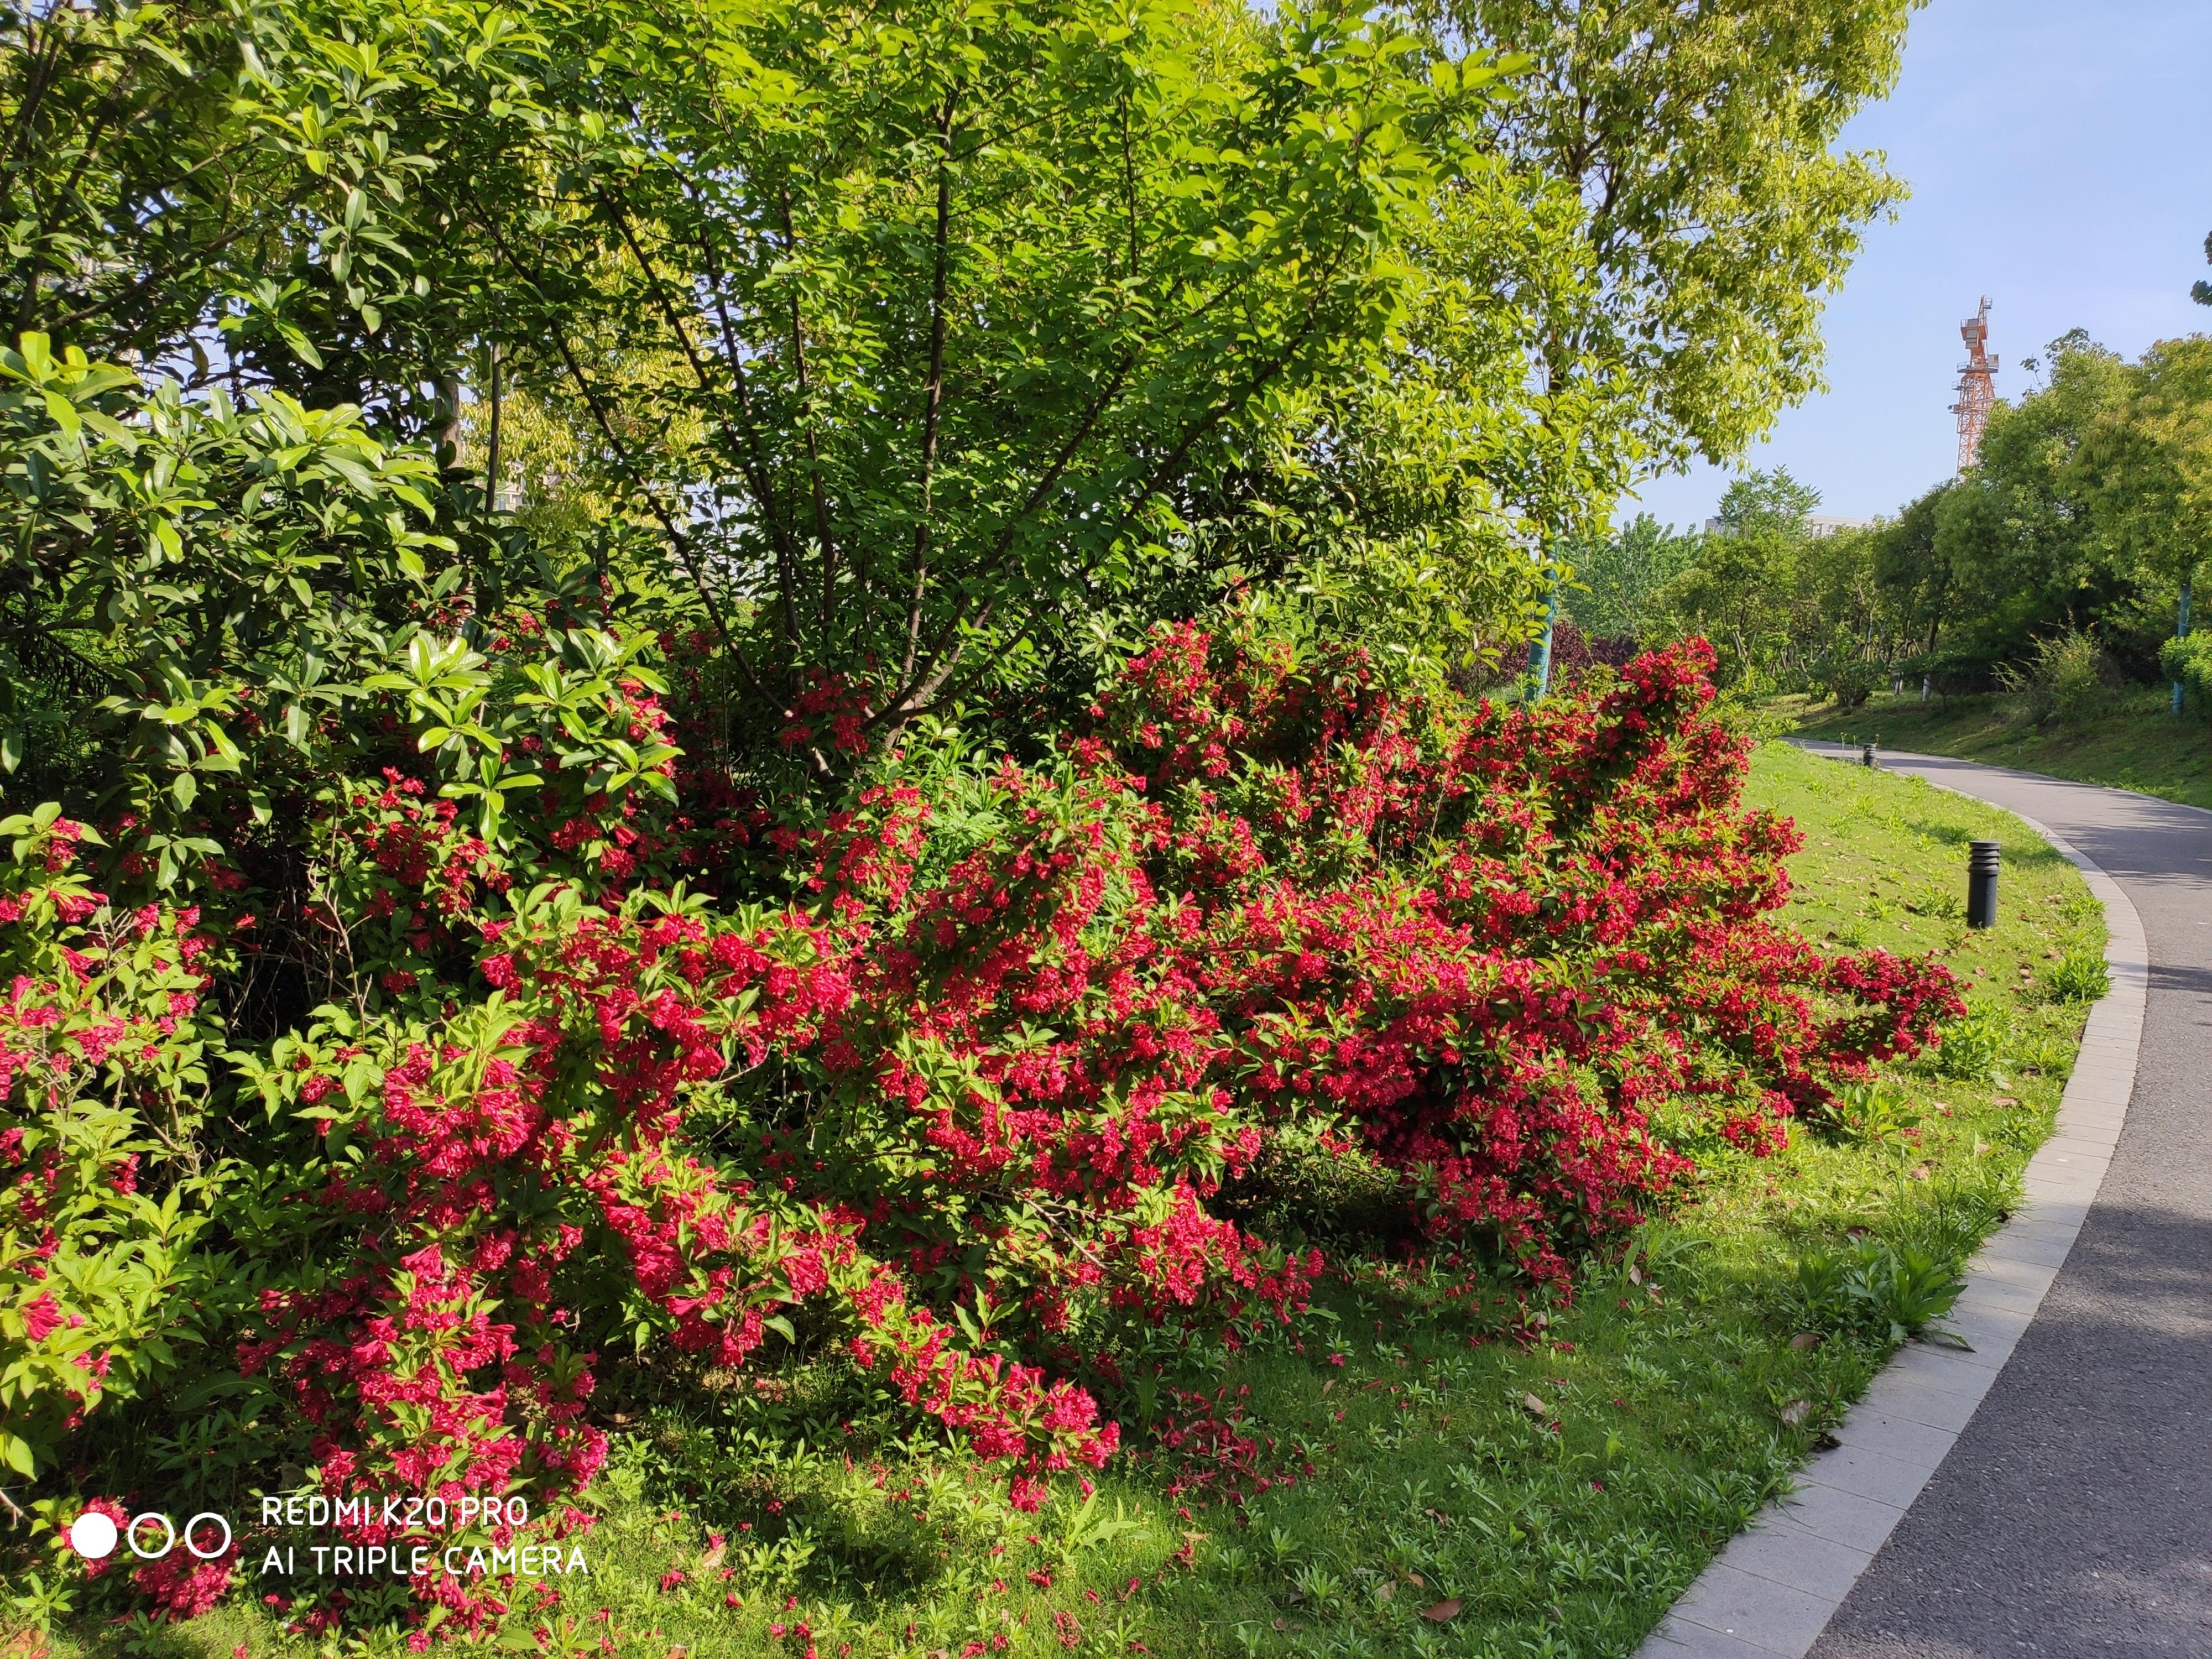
x=1563 y=1531
x=2138 y=744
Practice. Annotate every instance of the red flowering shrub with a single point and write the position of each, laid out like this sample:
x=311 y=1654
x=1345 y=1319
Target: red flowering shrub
x=102 y=1039
x=1491 y=941
x=182 y=1586
x=964 y=1097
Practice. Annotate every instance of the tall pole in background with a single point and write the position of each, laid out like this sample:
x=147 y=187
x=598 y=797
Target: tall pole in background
x=1539 y=648
x=2181 y=632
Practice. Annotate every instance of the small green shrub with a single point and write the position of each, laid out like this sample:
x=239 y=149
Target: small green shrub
x=1937 y=904
x=1953 y=1226
x=1850 y=681
x=1867 y=1113
x=2067 y=678
x=1897 y=1290
x=1908 y=1290
x=1974 y=1047
x=2190 y=661
x=2079 y=976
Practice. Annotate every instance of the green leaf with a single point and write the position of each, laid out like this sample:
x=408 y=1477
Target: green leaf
x=62 y=413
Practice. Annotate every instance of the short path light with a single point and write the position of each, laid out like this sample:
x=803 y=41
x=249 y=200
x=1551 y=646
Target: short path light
x=1982 y=860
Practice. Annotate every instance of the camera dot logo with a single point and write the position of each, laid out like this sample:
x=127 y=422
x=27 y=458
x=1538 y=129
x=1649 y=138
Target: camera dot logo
x=93 y=1535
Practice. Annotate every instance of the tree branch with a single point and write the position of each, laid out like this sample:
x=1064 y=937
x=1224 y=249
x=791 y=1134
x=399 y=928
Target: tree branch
x=756 y=478
x=827 y=542
x=677 y=539
x=934 y=387
x=931 y=679
x=491 y=446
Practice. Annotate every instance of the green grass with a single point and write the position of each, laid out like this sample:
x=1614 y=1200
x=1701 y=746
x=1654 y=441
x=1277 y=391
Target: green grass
x=2137 y=743
x=1561 y=1481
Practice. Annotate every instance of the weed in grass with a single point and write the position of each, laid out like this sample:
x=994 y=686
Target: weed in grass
x=1871 y=1114
x=1960 y=1215
x=1974 y=1049
x=2080 y=975
x=1938 y=904
x=1892 y=1290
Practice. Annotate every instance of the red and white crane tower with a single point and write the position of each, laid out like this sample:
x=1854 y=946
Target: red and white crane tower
x=1977 y=390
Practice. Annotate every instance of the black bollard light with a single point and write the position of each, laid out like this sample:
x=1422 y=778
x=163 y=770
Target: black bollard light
x=1866 y=755
x=1982 y=858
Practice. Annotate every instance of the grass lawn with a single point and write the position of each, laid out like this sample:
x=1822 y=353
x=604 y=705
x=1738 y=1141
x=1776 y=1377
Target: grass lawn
x=2137 y=743
x=1427 y=1474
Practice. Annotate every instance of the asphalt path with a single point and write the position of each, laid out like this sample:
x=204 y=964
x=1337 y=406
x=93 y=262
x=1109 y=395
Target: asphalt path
x=2073 y=1516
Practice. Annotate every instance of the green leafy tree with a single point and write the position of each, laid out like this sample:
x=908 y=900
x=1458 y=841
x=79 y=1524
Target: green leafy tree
x=193 y=587
x=2020 y=534
x=1733 y=593
x=2085 y=519
x=1829 y=624
x=1406 y=505
x=262 y=195
x=1712 y=214
x=1767 y=500
x=1751 y=582
x=902 y=354
x=1618 y=577
x=2151 y=457
x=915 y=338
x=1716 y=212
x=1915 y=581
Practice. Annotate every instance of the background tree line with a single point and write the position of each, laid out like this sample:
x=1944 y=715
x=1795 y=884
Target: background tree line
x=2066 y=550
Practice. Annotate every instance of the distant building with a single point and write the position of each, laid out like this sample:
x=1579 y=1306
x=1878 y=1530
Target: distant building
x=1816 y=524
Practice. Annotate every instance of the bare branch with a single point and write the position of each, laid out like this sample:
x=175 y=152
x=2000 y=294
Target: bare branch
x=755 y=468
x=827 y=542
x=934 y=387
x=677 y=539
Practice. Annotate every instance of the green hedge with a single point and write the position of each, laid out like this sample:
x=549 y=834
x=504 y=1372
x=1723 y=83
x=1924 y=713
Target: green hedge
x=2189 y=660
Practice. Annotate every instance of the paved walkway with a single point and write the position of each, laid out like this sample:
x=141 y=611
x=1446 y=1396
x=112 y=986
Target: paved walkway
x=2065 y=1507
x=2073 y=1516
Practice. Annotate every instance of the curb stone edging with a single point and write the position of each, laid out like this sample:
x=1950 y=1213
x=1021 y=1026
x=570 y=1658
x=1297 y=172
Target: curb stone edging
x=1772 y=1590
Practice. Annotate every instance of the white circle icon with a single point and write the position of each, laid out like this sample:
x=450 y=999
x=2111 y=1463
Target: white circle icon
x=93 y=1535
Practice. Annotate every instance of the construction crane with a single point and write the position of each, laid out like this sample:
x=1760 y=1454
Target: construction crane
x=1978 y=390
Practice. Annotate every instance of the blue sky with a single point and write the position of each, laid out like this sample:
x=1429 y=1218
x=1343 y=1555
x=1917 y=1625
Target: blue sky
x=2060 y=157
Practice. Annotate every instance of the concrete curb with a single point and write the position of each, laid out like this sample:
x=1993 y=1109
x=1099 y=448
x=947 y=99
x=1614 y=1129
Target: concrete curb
x=1775 y=1587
